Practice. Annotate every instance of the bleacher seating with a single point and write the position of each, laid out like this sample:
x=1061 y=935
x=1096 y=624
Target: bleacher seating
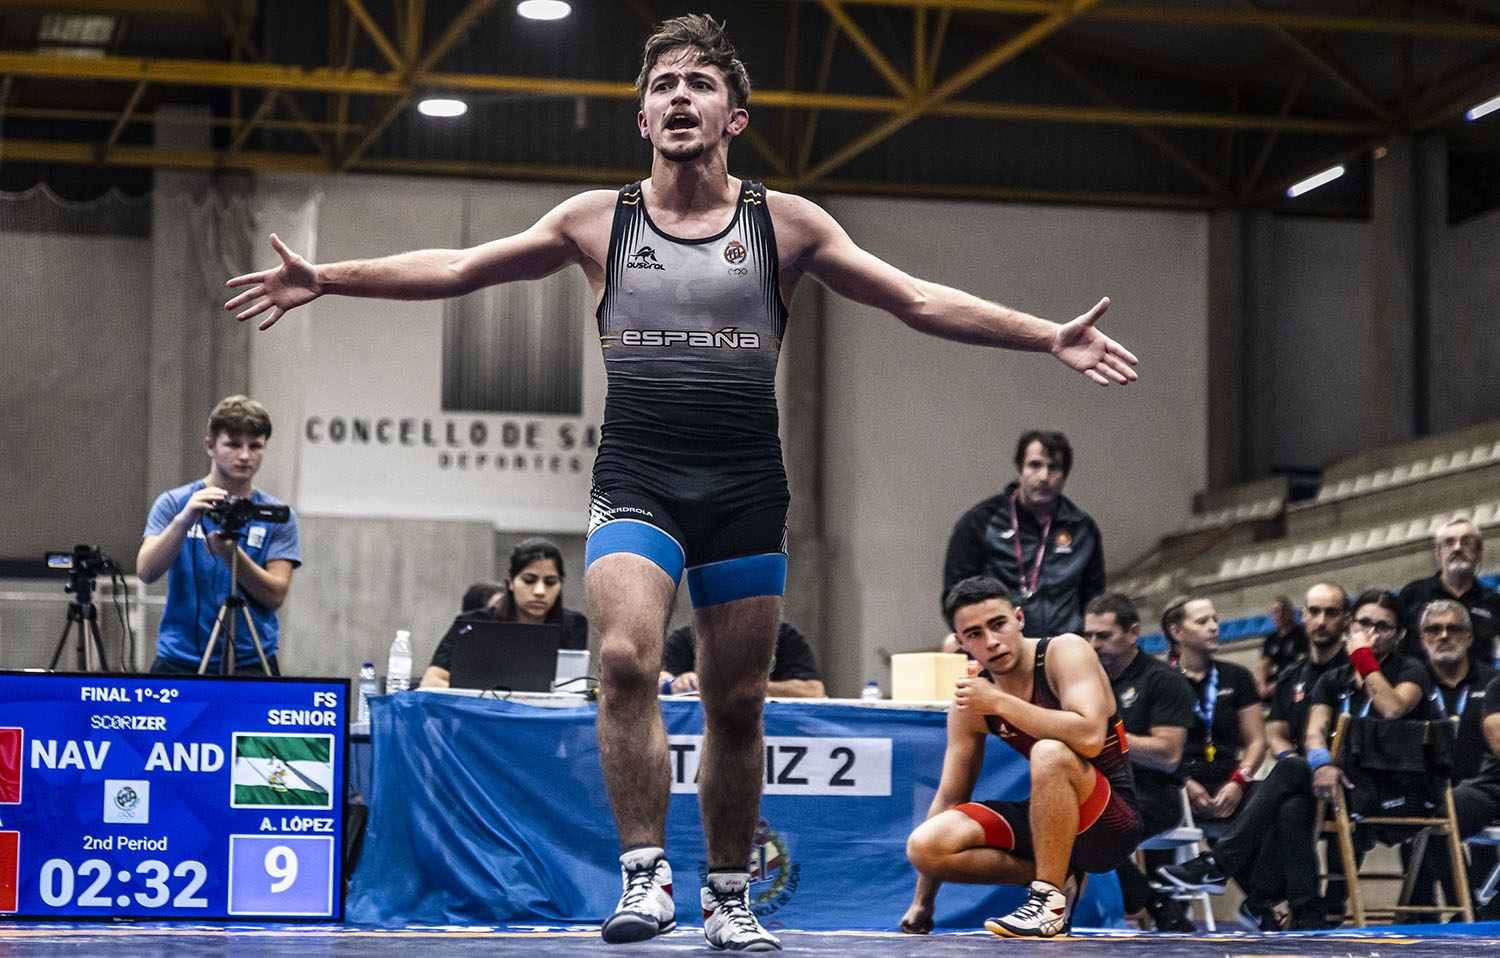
x=1370 y=524
x=1377 y=480
x=1399 y=533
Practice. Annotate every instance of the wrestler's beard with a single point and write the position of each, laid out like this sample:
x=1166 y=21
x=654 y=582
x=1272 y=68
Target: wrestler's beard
x=683 y=154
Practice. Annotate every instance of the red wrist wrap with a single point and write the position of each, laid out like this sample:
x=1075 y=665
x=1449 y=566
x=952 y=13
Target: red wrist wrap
x=1241 y=777
x=1364 y=661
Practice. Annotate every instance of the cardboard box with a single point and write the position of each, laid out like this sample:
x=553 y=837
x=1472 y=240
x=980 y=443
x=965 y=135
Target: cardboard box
x=926 y=676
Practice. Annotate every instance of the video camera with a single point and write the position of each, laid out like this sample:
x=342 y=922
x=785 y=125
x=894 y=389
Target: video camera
x=232 y=512
x=83 y=560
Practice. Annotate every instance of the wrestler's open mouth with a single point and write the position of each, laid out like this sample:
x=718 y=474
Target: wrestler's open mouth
x=681 y=121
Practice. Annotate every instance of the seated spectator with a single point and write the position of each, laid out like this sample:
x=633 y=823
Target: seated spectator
x=1379 y=682
x=1476 y=801
x=1155 y=705
x=481 y=595
x=1447 y=635
x=1462 y=687
x=532 y=594
x=1227 y=741
x=794 y=670
x=1282 y=648
x=1457 y=547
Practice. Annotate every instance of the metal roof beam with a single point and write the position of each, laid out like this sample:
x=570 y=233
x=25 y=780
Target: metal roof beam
x=1199 y=15
x=124 y=119
x=83 y=154
x=376 y=35
x=1151 y=136
x=328 y=79
x=442 y=47
x=866 y=46
x=1330 y=66
x=1007 y=50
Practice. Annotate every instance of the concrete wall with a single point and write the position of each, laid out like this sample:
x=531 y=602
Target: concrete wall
x=1317 y=318
x=918 y=429
x=73 y=384
x=1465 y=349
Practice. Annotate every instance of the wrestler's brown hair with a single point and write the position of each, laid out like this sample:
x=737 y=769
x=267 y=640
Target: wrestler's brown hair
x=706 y=35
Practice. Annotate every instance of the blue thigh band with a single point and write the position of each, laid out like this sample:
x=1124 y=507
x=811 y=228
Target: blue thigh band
x=742 y=578
x=639 y=538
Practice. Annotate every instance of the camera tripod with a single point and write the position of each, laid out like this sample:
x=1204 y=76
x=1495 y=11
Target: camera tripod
x=85 y=617
x=230 y=611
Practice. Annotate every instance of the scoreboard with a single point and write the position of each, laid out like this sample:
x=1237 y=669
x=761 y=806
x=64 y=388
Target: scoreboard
x=137 y=796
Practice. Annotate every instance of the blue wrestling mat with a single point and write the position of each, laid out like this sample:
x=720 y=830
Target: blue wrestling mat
x=160 y=940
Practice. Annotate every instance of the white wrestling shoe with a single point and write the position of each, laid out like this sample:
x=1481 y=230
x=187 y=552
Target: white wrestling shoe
x=728 y=922
x=1044 y=914
x=645 y=909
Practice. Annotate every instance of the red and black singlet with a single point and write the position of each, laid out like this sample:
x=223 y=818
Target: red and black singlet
x=1112 y=761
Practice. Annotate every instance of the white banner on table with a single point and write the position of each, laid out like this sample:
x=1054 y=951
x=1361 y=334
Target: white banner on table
x=800 y=766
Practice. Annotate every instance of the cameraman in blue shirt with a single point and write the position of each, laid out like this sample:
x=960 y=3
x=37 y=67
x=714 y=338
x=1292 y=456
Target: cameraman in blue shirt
x=193 y=533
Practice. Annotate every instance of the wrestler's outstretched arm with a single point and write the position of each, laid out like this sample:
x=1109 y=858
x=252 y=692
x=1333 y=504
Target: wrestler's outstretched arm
x=547 y=246
x=819 y=247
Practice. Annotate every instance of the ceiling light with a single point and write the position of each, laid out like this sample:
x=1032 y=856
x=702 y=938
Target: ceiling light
x=75 y=29
x=438 y=106
x=543 y=9
x=1488 y=106
x=1315 y=181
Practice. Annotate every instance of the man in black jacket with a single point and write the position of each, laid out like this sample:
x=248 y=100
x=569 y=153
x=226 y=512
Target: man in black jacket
x=1034 y=539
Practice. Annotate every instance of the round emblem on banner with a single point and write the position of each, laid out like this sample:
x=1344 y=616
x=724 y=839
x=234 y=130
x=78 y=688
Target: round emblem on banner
x=1062 y=540
x=773 y=875
x=734 y=253
x=126 y=798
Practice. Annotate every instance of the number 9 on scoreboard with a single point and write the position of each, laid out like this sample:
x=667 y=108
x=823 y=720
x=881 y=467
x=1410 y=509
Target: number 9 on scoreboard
x=281 y=875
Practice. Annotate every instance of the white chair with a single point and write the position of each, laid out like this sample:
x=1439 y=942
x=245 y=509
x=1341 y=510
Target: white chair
x=1489 y=835
x=1185 y=842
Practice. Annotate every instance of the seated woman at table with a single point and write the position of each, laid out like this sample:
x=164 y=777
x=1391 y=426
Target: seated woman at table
x=532 y=594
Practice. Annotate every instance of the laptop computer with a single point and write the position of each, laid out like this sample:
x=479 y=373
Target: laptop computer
x=572 y=671
x=503 y=655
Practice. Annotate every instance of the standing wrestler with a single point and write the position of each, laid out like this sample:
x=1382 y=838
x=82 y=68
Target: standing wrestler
x=692 y=270
x=1050 y=700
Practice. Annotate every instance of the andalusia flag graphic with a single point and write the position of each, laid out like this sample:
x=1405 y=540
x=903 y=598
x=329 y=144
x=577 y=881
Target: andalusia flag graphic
x=283 y=770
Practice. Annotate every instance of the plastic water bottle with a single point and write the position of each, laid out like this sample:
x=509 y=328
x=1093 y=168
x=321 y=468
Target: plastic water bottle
x=398 y=667
x=367 y=688
x=871 y=692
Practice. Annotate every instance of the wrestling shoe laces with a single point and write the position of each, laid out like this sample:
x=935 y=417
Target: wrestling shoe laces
x=1043 y=914
x=645 y=909
x=728 y=922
